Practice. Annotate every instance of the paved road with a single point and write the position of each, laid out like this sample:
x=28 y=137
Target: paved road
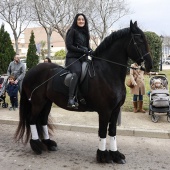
x=77 y=152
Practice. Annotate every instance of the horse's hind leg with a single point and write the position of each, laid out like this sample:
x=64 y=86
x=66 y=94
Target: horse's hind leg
x=38 y=126
x=115 y=155
x=50 y=144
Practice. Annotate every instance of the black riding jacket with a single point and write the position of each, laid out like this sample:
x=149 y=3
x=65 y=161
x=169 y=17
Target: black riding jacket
x=77 y=43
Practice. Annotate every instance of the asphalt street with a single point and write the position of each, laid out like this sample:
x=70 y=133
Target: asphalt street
x=77 y=151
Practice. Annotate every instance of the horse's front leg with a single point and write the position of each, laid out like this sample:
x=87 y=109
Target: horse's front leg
x=102 y=155
x=115 y=155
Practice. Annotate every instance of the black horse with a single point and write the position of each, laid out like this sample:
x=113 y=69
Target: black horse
x=106 y=92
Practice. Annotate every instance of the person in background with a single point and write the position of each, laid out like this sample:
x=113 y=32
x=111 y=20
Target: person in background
x=12 y=90
x=78 y=49
x=47 y=60
x=137 y=78
x=17 y=69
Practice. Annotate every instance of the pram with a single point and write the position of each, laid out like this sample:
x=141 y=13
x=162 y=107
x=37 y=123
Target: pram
x=3 y=84
x=159 y=100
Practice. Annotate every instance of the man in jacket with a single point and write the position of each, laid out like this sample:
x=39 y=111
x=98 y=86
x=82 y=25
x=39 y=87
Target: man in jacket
x=17 y=69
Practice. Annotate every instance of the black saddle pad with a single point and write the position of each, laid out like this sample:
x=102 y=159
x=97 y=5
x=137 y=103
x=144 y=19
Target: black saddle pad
x=58 y=81
x=59 y=86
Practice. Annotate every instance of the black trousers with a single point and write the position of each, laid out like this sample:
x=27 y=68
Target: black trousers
x=75 y=65
x=14 y=101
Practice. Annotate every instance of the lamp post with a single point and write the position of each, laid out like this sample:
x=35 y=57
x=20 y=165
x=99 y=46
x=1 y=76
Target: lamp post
x=162 y=38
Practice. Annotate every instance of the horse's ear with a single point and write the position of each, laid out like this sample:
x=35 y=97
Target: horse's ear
x=133 y=26
x=135 y=23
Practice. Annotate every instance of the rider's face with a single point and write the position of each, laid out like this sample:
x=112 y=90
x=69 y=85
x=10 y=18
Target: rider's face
x=80 y=21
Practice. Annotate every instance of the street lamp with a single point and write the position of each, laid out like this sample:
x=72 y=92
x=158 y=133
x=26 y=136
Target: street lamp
x=162 y=38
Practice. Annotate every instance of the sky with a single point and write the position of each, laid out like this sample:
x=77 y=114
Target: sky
x=151 y=15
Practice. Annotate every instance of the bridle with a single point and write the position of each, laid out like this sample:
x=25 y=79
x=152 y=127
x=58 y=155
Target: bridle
x=141 y=57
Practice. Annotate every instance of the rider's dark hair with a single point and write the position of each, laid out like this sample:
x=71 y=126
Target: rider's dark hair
x=84 y=29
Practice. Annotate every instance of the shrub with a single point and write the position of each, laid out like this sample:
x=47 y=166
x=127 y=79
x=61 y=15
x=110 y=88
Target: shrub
x=60 y=54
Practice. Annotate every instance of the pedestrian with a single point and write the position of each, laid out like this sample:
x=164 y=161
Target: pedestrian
x=17 y=69
x=78 y=49
x=137 y=78
x=12 y=90
x=47 y=60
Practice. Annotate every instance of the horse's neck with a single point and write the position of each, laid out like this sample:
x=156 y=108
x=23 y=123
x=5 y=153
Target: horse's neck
x=112 y=70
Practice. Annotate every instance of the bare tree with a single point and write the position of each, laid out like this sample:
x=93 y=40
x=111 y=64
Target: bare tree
x=46 y=14
x=17 y=14
x=103 y=14
x=55 y=15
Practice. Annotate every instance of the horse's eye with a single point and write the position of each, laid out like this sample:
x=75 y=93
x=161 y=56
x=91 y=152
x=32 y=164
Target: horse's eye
x=139 y=38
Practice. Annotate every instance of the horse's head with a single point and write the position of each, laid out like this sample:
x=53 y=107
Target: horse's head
x=138 y=49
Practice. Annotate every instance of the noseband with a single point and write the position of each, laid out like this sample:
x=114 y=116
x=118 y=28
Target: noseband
x=141 y=57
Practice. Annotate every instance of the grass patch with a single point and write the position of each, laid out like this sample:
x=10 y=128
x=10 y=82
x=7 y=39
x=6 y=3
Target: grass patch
x=128 y=106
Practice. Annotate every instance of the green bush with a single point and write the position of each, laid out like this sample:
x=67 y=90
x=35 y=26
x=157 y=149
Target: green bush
x=155 y=46
x=60 y=54
x=32 y=58
x=6 y=50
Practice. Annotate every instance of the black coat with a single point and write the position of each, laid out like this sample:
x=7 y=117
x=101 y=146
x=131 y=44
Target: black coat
x=12 y=89
x=77 y=43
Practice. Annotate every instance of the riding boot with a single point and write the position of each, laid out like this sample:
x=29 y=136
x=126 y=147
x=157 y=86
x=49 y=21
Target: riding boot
x=135 y=107
x=141 y=107
x=72 y=89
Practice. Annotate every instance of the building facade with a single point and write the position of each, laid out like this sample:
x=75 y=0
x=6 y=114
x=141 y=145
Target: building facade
x=57 y=42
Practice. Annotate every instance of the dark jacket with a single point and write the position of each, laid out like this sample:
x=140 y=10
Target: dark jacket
x=12 y=89
x=77 y=43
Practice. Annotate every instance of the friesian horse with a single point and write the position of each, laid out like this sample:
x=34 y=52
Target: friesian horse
x=106 y=93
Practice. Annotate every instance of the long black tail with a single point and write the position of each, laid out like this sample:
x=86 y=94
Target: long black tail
x=23 y=130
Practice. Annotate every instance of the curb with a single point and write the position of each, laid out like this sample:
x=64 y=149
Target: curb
x=122 y=131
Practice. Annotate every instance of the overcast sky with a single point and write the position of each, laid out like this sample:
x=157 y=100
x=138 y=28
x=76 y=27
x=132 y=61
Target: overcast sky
x=151 y=15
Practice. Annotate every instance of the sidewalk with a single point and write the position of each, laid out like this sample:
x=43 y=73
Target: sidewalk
x=132 y=124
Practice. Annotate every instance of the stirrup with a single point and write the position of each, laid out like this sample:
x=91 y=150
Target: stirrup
x=72 y=104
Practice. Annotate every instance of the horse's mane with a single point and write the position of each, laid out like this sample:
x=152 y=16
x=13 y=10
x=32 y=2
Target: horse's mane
x=110 y=39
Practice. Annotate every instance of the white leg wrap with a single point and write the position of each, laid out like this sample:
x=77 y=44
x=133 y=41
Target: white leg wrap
x=102 y=144
x=113 y=143
x=45 y=132
x=34 y=132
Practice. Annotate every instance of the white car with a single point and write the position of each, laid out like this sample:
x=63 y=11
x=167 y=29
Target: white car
x=23 y=60
x=167 y=61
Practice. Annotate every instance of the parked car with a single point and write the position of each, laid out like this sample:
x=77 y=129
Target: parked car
x=167 y=61
x=23 y=60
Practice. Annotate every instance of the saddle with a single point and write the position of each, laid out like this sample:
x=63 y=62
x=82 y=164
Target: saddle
x=62 y=80
x=85 y=66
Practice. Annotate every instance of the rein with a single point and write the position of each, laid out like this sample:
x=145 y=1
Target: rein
x=136 y=47
x=115 y=63
x=53 y=76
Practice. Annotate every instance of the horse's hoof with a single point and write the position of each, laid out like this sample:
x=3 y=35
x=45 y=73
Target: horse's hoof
x=117 y=157
x=50 y=144
x=103 y=156
x=36 y=146
x=121 y=161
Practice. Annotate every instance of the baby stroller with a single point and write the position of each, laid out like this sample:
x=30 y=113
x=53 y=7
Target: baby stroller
x=159 y=100
x=3 y=84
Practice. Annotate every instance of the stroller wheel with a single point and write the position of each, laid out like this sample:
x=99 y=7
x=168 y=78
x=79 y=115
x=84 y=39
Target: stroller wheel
x=154 y=118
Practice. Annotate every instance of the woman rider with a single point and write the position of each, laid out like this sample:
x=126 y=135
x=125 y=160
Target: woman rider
x=78 y=49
